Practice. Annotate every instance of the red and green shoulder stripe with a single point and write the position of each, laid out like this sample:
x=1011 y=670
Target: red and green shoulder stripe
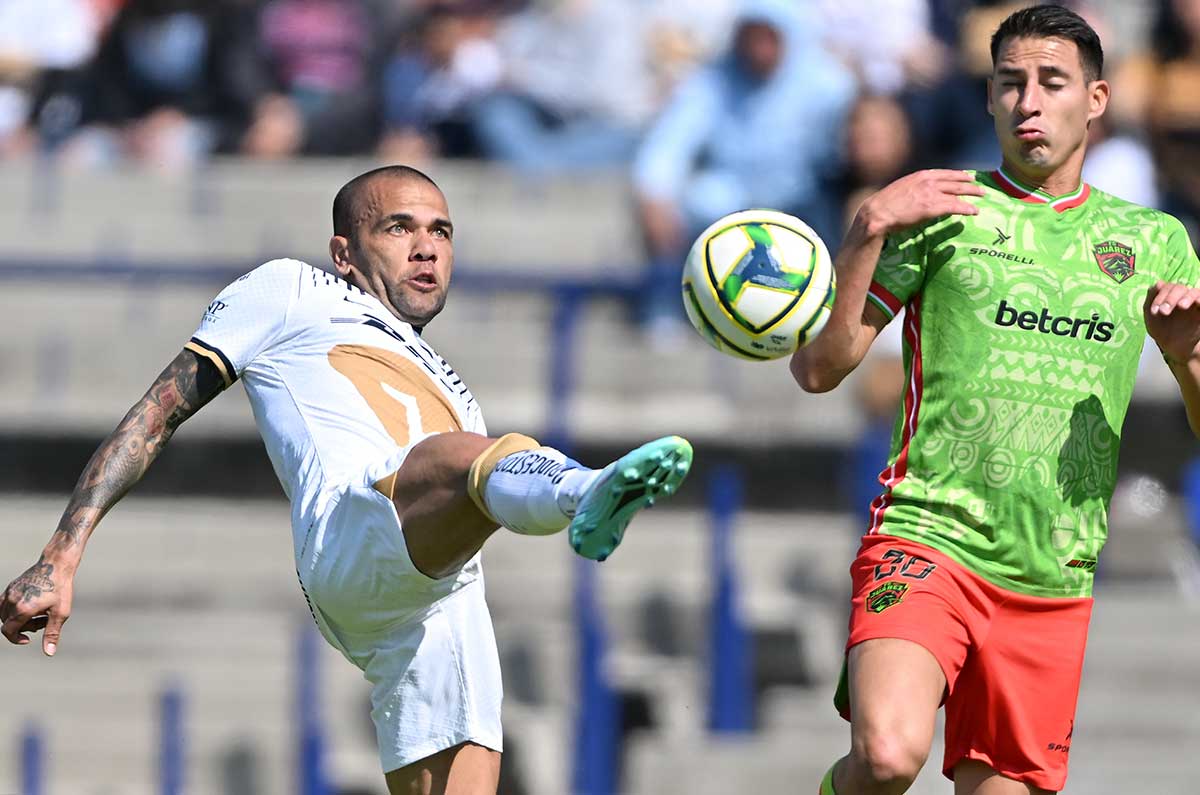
x=883 y=298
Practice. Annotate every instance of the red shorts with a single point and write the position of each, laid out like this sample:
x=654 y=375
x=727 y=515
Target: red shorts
x=1012 y=662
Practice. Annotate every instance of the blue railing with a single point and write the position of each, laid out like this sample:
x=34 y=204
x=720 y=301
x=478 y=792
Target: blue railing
x=32 y=754
x=172 y=741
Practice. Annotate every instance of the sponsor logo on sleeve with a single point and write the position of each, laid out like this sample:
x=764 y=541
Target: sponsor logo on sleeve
x=214 y=309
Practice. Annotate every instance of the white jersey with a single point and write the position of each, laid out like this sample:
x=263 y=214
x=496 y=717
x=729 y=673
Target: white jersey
x=341 y=388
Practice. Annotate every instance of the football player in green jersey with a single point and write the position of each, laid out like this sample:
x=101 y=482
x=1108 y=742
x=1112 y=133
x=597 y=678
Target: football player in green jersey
x=1027 y=297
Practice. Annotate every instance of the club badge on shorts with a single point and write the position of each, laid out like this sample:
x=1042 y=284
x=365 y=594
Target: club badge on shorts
x=885 y=596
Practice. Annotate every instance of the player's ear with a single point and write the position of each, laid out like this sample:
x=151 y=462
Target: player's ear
x=1098 y=93
x=339 y=252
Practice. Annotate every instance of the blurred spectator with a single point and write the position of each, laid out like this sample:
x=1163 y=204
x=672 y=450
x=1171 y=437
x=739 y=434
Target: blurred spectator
x=888 y=42
x=878 y=150
x=1173 y=91
x=682 y=36
x=757 y=128
x=447 y=60
x=951 y=125
x=1124 y=25
x=38 y=41
x=1119 y=162
x=157 y=90
x=575 y=89
x=311 y=73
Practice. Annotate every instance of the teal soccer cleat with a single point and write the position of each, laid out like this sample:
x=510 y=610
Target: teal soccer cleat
x=632 y=482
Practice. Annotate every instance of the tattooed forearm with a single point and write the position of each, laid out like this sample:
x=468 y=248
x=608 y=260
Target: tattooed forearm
x=180 y=391
x=37 y=580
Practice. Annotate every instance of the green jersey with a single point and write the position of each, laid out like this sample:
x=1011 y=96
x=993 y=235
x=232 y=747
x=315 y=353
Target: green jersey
x=1023 y=329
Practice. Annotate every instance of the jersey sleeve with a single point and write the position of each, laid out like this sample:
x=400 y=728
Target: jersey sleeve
x=246 y=317
x=1182 y=267
x=900 y=272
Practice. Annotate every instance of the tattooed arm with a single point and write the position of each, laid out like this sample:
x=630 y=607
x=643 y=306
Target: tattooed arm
x=41 y=597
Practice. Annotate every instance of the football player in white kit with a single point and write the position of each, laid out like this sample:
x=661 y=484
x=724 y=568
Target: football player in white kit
x=393 y=481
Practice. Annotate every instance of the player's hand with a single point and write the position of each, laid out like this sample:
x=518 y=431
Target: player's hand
x=1172 y=313
x=38 y=599
x=918 y=197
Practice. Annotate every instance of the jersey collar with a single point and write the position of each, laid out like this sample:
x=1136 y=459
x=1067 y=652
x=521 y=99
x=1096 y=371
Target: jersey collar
x=1059 y=204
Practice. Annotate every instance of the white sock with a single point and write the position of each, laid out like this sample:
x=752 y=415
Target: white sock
x=536 y=492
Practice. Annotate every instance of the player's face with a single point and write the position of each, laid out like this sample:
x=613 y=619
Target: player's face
x=403 y=250
x=1042 y=103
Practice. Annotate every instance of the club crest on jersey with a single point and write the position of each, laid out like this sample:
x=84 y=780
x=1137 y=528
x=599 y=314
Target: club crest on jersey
x=1115 y=259
x=885 y=596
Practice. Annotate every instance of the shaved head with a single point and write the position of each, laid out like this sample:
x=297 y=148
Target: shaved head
x=393 y=239
x=347 y=204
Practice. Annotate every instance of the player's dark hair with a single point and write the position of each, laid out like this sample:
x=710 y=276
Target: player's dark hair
x=1054 y=21
x=345 y=203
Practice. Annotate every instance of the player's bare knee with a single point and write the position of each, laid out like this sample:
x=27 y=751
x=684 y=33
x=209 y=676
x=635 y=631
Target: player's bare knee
x=890 y=761
x=442 y=458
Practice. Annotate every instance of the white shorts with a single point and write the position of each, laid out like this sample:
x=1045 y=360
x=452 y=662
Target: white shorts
x=426 y=646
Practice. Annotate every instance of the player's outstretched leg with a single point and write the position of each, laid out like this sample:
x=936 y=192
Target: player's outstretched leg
x=539 y=490
x=455 y=489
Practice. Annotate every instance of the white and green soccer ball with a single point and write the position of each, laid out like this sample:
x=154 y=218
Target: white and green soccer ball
x=758 y=284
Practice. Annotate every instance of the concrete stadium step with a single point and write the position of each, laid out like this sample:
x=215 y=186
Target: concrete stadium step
x=776 y=762
x=529 y=733
x=191 y=552
x=89 y=766
x=63 y=370
x=693 y=390
x=230 y=697
x=505 y=220
x=1163 y=773
x=236 y=213
x=793 y=760
x=109 y=736
x=666 y=553
x=233 y=652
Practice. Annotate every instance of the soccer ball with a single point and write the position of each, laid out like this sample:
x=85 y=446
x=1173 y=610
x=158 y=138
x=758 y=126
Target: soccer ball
x=758 y=284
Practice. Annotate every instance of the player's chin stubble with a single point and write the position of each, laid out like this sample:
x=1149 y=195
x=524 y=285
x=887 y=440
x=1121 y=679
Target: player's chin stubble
x=418 y=309
x=1037 y=155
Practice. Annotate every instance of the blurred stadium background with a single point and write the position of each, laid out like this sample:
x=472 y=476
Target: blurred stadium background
x=153 y=150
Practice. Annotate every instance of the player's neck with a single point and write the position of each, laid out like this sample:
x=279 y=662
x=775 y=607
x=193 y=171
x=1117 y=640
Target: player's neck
x=1060 y=182
x=383 y=298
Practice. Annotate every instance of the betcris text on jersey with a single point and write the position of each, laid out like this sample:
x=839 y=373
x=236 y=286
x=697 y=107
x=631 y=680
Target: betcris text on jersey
x=1090 y=328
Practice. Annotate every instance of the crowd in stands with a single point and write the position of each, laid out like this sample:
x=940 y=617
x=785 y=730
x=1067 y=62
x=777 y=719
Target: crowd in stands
x=708 y=106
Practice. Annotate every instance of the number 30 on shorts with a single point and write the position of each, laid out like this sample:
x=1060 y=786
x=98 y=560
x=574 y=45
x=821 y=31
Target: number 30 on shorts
x=911 y=566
